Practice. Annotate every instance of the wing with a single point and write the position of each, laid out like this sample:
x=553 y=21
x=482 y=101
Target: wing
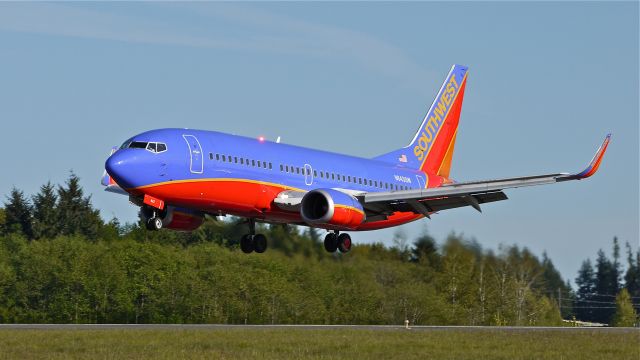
x=473 y=193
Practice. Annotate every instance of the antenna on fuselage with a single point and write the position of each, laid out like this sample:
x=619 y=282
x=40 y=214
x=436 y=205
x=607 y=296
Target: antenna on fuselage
x=278 y=140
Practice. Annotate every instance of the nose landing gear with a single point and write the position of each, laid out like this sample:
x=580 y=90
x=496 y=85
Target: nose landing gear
x=152 y=218
x=336 y=241
x=154 y=223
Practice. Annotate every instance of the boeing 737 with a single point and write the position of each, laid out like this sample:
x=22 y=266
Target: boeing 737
x=177 y=176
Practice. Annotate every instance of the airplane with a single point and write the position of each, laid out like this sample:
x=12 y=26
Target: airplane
x=177 y=176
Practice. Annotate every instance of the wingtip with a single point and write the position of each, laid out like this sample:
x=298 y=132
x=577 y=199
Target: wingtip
x=595 y=162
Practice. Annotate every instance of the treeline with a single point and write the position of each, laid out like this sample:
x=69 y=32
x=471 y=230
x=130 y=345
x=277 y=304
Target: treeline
x=605 y=294
x=61 y=263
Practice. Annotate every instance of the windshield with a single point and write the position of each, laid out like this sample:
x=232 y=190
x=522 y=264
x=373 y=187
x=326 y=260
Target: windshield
x=151 y=146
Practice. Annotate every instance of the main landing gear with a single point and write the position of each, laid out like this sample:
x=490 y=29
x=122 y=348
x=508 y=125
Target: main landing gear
x=336 y=241
x=253 y=242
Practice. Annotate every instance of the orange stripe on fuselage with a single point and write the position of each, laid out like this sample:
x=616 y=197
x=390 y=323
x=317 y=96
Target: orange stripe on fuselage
x=246 y=198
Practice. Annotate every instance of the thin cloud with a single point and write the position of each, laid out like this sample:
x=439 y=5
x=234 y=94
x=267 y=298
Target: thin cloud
x=272 y=32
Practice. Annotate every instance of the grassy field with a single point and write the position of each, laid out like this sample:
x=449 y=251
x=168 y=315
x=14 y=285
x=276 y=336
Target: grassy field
x=317 y=344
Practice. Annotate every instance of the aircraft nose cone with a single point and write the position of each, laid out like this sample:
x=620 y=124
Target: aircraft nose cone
x=121 y=167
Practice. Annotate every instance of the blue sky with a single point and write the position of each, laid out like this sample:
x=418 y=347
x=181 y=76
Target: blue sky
x=547 y=81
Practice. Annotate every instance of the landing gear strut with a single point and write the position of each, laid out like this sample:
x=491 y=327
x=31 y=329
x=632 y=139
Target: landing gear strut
x=253 y=242
x=336 y=241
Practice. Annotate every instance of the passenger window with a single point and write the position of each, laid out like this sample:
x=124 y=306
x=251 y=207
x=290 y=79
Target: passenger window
x=218 y=157
x=224 y=158
x=297 y=170
x=270 y=166
x=253 y=163
x=315 y=173
x=235 y=159
x=210 y=156
x=241 y=161
x=281 y=167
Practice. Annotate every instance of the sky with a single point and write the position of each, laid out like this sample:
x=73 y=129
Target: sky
x=547 y=81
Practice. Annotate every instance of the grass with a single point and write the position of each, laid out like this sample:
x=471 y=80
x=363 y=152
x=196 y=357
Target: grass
x=317 y=344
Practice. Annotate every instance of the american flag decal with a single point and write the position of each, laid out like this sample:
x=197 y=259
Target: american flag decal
x=403 y=158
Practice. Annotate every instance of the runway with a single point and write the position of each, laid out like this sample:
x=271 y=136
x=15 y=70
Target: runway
x=304 y=327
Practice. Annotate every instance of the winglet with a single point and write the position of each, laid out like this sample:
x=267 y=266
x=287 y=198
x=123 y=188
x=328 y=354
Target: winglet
x=595 y=162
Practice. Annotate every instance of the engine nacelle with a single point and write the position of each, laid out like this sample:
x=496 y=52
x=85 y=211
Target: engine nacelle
x=176 y=218
x=331 y=207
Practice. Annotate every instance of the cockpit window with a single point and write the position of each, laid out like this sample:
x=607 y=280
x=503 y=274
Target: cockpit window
x=154 y=147
x=138 y=145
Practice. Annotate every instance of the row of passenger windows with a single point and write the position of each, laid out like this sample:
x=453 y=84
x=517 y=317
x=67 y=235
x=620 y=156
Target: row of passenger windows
x=242 y=161
x=344 y=178
x=307 y=171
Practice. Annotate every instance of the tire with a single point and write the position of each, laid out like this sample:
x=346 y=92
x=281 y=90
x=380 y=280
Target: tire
x=331 y=242
x=157 y=223
x=246 y=244
x=344 y=243
x=259 y=243
x=154 y=224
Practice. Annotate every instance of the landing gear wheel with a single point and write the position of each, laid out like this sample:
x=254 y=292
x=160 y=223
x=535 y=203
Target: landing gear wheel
x=246 y=244
x=344 y=243
x=155 y=223
x=260 y=243
x=331 y=242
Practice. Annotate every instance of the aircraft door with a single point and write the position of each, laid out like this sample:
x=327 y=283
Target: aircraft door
x=196 y=163
x=308 y=174
x=421 y=183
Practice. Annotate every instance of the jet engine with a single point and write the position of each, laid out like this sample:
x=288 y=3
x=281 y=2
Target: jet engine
x=331 y=207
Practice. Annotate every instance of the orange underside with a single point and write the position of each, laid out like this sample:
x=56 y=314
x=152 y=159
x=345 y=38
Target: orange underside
x=247 y=199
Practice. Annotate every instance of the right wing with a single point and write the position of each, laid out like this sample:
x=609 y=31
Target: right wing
x=472 y=193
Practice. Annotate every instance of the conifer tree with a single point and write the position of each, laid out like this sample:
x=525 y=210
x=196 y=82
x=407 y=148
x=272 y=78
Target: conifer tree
x=75 y=213
x=45 y=213
x=18 y=214
x=2 y=220
x=632 y=276
x=586 y=283
x=607 y=286
x=625 y=315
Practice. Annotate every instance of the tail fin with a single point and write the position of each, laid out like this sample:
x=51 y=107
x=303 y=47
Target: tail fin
x=431 y=149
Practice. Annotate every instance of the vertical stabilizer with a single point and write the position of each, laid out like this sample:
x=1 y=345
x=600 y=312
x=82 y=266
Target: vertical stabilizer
x=431 y=148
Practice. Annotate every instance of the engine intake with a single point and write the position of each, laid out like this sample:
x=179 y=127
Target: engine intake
x=331 y=207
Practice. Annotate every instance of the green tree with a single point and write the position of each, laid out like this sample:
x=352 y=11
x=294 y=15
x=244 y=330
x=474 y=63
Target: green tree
x=586 y=282
x=425 y=250
x=75 y=213
x=45 y=213
x=3 y=218
x=625 y=315
x=632 y=276
x=606 y=286
x=18 y=214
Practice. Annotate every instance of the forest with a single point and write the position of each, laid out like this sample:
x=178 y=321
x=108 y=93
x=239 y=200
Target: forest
x=60 y=262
